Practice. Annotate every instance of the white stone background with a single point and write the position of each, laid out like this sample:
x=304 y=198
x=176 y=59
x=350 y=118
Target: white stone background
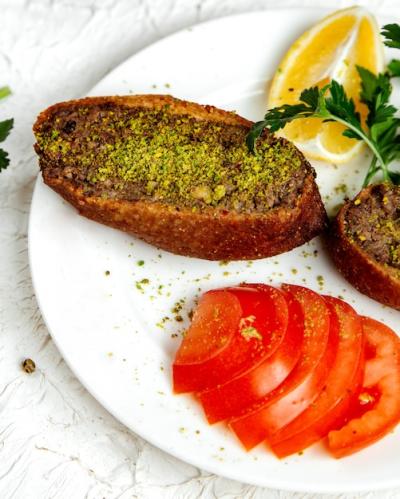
x=56 y=441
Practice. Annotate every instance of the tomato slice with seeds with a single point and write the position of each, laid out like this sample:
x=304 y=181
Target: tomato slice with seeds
x=227 y=400
x=255 y=332
x=303 y=384
x=377 y=409
x=343 y=381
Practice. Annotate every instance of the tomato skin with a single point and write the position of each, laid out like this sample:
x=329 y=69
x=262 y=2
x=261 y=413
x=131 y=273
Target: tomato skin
x=267 y=317
x=382 y=380
x=271 y=316
x=227 y=400
x=304 y=383
x=343 y=381
x=214 y=323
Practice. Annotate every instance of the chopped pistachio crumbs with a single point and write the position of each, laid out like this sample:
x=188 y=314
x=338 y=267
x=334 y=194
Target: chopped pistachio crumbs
x=136 y=153
x=250 y=332
x=375 y=224
x=247 y=330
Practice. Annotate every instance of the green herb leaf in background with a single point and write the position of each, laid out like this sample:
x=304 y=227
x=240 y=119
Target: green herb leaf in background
x=375 y=93
x=342 y=109
x=331 y=103
x=5 y=128
x=4 y=92
x=4 y=159
x=391 y=32
x=278 y=117
x=395 y=177
x=394 y=68
x=255 y=131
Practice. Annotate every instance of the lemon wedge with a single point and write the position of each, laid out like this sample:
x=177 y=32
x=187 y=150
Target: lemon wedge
x=329 y=50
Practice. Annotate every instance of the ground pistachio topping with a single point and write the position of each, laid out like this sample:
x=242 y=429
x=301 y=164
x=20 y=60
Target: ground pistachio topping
x=136 y=153
x=373 y=222
x=250 y=332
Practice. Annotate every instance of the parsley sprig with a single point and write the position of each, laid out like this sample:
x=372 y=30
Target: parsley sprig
x=5 y=128
x=391 y=32
x=331 y=103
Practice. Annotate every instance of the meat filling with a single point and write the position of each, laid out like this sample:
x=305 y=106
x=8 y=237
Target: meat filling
x=153 y=154
x=374 y=224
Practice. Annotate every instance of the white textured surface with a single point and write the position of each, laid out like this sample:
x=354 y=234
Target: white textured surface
x=56 y=441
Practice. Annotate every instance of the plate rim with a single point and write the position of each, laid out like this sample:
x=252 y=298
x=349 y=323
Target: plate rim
x=301 y=487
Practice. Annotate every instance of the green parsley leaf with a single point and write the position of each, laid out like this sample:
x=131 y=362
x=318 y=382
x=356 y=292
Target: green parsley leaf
x=5 y=128
x=342 y=109
x=374 y=88
x=4 y=160
x=331 y=103
x=278 y=117
x=340 y=105
x=395 y=177
x=254 y=133
x=391 y=32
x=394 y=68
x=375 y=93
x=311 y=96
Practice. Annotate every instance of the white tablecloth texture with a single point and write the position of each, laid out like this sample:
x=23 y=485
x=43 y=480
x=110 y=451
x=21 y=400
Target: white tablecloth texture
x=56 y=441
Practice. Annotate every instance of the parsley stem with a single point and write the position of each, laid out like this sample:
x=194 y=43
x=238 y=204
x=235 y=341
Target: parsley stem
x=366 y=139
x=372 y=170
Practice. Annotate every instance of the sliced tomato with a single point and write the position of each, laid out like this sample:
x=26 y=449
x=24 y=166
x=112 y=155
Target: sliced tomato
x=255 y=330
x=228 y=400
x=377 y=410
x=215 y=322
x=304 y=383
x=343 y=381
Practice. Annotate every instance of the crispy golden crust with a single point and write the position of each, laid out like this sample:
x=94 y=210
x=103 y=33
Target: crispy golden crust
x=211 y=234
x=152 y=101
x=371 y=278
x=214 y=235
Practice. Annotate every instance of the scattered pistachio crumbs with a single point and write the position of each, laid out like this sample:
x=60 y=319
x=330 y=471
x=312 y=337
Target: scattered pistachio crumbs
x=250 y=332
x=133 y=153
x=139 y=284
x=375 y=224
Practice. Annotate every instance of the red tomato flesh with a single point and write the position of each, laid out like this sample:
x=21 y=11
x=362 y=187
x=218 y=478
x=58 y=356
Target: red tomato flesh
x=303 y=384
x=214 y=323
x=256 y=329
x=377 y=410
x=228 y=400
x=342 y=383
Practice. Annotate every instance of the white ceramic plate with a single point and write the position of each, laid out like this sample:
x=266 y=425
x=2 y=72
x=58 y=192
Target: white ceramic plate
x=110 y=328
